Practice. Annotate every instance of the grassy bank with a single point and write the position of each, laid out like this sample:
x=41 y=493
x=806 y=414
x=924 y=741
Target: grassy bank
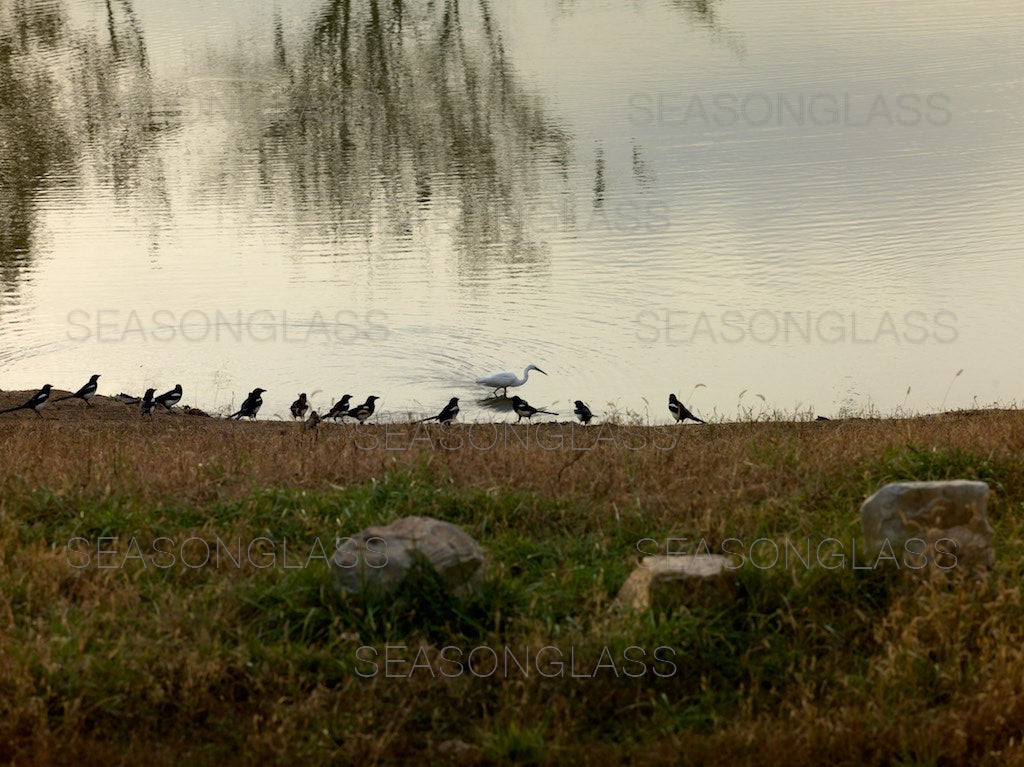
x=218 y=662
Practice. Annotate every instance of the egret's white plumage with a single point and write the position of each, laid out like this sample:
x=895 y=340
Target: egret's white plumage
x=507 y=379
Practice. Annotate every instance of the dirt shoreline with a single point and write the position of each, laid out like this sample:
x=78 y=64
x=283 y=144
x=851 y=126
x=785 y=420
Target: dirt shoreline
x=124 y=408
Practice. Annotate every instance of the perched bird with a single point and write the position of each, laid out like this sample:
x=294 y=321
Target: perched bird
x=583 y=412
x=148 y=403
x=85 y=393
x=822 y=418
x=170 y=398
x=36 y=402
x=679 y=411
x=523 y=409
x=507 y=379
x=364 y=411
x=447 y=415
x=251 y=406
x=314 y=420
x=340 y=408
x=300 y=406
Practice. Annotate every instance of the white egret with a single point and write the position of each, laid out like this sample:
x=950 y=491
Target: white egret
x=507 y=379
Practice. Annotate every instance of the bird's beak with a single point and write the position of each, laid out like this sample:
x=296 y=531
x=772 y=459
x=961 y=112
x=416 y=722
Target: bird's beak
x=541 y=371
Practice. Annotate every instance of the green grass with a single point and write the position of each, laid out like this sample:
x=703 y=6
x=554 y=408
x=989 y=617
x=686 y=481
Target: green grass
x=211 y=662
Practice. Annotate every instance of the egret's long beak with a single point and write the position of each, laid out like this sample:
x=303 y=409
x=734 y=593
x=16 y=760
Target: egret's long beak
x=540 y=371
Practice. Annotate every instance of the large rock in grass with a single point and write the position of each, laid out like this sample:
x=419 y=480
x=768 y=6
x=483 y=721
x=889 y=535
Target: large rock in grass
x=662 y=582
x=929 y=525
x=378 y=559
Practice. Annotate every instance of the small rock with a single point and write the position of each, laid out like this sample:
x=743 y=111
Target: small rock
x=948 y=517
x=454 y=746
x=663 y=581
x=379 y=558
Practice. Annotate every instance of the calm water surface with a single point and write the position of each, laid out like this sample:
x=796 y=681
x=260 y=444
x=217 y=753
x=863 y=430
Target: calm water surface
x=791 y=206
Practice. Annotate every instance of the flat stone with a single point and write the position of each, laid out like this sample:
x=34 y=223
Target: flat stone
x=948 y=517
x=378 y=558
x=664 y=581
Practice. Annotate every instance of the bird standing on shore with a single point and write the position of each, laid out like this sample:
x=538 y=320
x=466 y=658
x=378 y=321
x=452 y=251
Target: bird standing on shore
x=582 y=412
x=364 y=411
x=447 y=415
x=170 y=398
x=507 y=379
x=148 y=403
x=36 y=402
x=300 y=406
x=523 y=409
x=85 y=393
x=679 y=411
x=251 y=406
x=340 y=408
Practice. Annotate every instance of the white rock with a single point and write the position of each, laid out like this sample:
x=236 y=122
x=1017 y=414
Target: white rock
x=947 y=516
x=664 y=580
x=379 y=558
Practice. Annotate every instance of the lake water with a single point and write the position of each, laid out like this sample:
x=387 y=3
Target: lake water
x=798 y=207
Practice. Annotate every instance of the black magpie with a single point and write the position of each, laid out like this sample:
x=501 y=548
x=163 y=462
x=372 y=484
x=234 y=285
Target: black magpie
x=523 y=409
x=251 y=406
x=36 y=402
x=582 y=412
x=340 y=408
x=679 y=411
x=85 y=393
x=148 y=403
x=364 y=411
x=170 y=398
x=447 y=415
x=300 y=406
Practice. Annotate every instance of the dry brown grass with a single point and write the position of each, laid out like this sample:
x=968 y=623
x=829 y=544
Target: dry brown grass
x=96 y=665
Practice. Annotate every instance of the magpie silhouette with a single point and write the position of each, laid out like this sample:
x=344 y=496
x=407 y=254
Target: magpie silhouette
x=364 y=411
x=36 y=402
x=300 y=406
x=314 y=420
x=85 y=393
x=679 y=411
x=251 y=406
x=523 y=409
x=148 y=403
x=170 y=398
x=582 y=412
x=340 y=408
x=447 y=415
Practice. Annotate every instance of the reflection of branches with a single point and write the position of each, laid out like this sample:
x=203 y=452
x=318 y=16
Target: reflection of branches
x=93 y=94
x=701 y=12
x=31 y=139
x=704 y=12
x=406 y=108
